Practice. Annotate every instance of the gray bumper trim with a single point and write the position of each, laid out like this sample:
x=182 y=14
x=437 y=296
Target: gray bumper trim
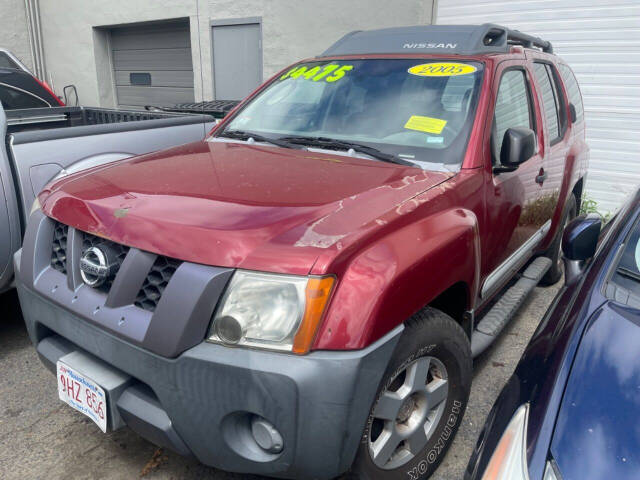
x=128 y=402
x=143 y=413
x=318 y=402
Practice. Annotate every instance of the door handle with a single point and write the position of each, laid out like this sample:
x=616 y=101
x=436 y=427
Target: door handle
x=542 y=176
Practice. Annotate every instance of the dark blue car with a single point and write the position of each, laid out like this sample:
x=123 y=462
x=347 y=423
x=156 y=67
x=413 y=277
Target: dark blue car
x=571 y=410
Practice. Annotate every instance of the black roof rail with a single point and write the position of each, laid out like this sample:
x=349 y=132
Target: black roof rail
x=451 y=39
x=515 y=37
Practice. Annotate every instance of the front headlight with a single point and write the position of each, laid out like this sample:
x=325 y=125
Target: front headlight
x=509 y=460
x=280 y=312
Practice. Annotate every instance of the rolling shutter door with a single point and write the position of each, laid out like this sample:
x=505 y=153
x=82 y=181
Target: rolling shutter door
x=152 y=65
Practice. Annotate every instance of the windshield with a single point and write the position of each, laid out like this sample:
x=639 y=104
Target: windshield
x=418 y=110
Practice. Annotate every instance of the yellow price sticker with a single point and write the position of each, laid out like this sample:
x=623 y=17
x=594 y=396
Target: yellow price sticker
x=329 y=73
x=425 y=124
x=442 y=69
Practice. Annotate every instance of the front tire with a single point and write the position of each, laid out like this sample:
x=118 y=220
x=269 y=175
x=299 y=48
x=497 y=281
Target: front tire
x=420 y=402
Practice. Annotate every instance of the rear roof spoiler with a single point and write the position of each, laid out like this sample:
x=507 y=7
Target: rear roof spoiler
x=451 y=39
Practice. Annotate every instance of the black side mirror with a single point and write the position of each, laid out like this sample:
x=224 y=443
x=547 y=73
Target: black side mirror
x=573 y=116
x=579 y=243
x=518 y=146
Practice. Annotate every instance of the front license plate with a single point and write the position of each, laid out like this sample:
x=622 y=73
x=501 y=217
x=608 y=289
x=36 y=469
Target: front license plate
x=83 y=394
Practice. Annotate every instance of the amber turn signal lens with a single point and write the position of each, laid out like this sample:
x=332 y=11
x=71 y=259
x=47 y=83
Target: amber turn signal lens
x=509 y=459
x=318 y=292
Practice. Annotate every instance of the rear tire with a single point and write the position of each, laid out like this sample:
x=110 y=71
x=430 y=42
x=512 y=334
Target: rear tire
x=554 y=252
x=419 y=415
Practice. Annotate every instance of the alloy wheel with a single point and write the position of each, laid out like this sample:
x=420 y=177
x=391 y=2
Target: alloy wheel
x=407 y=412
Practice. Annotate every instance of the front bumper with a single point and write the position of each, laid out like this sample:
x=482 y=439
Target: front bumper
x=200 y=401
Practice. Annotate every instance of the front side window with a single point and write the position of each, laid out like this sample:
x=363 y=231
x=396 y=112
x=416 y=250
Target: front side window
x=513 y=107
x=418 y=110
x=14 y=99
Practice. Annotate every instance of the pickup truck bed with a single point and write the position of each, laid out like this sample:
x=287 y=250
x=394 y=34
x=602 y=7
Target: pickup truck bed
x=45 y=142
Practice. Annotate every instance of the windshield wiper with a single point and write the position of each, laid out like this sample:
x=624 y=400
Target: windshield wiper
x=331 y=143
x=244 y=135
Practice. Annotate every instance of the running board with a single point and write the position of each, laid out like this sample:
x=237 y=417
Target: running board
x=492 y=323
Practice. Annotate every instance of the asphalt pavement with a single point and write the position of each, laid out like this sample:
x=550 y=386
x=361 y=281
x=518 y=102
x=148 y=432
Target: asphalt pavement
x=40 y=437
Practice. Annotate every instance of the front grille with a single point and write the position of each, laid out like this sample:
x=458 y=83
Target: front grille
x=155 y=283
x=59 y=248
x=89 y=240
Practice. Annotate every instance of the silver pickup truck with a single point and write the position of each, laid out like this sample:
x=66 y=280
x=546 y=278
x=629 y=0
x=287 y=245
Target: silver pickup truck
x=41 y=144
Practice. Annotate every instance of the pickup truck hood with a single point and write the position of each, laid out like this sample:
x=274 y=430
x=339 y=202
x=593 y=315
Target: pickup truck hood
x=235 y=204
x=597 y=432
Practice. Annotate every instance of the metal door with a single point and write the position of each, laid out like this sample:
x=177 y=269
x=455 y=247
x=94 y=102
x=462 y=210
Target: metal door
x=557 y=139
x=152 y=65
x=237 y=59
x=515 y=217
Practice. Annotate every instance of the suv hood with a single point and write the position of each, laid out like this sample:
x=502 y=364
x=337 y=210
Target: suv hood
x=235 y=204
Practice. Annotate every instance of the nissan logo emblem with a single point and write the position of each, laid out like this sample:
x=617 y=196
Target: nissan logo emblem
x=94 y=267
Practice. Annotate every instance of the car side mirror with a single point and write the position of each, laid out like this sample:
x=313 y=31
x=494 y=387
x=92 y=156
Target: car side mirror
x=573 y=116
x=518 y=146
x=579 y=243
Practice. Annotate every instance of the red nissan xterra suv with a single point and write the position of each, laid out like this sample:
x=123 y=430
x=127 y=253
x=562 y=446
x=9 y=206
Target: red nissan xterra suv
x=302 y=293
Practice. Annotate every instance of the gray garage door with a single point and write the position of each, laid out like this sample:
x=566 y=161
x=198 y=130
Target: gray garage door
x=237 y=60
x=152 y=64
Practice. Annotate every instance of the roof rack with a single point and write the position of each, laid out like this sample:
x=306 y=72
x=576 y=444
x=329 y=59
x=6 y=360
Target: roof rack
x=516 y=37
x=451 y=39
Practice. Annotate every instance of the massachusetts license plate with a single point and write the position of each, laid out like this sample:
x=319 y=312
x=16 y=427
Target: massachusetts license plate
x=83 y=394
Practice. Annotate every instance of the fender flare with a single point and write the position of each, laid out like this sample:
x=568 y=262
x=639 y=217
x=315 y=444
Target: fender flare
x=386 y=283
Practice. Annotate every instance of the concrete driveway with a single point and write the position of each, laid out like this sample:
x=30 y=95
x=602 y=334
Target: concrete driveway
x=40 y=437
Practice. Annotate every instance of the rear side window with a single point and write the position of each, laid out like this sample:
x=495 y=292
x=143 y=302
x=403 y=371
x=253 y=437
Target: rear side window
x=552 y=100
x=548 y=100
x=573 y=91
x=513 y=107
x=14 y=99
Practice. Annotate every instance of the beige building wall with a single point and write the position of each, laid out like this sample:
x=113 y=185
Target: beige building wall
x=14 y=34
x=77 y=47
